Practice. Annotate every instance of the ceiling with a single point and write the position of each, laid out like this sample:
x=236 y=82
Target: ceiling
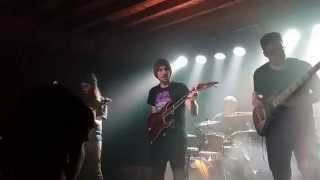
x=107 y=28
x=150 y=16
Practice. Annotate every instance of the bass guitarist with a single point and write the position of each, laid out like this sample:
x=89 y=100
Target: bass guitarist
x=292 y=129
x=171 y=145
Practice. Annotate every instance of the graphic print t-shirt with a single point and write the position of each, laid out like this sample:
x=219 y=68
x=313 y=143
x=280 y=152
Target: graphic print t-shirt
x=159 y=97
x=162 y=98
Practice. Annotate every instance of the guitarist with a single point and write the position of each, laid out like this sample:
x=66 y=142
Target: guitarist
x=171 y=145
x=292 y=129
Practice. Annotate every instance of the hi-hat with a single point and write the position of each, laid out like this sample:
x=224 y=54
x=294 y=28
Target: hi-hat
x=243 y=132
x=238 y=114
x=192 y=149
x=191 y=135
x=208 y=123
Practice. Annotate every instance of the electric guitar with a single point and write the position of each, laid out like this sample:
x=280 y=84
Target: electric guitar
x=159 y=121
x=262 y=115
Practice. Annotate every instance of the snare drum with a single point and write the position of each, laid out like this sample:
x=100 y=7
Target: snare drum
x=213 y=143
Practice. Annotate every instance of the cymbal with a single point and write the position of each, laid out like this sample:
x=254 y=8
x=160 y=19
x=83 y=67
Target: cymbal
x=208 y=123
x=243 y=132
x=191 y=136
x=192 y=149
x=209 y=152
x=238 y=114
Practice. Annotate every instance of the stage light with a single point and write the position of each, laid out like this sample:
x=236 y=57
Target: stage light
x=197 y=70
x=239 y=51
x=200 y=59
x=179 y=63
x=182 y=61
x=316 y=29
x=291 y=36
x=290 y=39
x=220 y=56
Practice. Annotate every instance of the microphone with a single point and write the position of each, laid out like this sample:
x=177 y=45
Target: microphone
x=106 y=100
x=212 y=83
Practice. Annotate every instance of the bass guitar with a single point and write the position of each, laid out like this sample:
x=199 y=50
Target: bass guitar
x=262 y=115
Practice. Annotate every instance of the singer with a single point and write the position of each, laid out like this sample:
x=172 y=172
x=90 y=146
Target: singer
x=99 y=105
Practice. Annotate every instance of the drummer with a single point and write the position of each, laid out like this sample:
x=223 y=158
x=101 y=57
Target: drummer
x=229 y=118
x=230 y=106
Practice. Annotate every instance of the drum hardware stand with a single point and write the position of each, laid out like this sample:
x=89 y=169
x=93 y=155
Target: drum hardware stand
x=201 y=136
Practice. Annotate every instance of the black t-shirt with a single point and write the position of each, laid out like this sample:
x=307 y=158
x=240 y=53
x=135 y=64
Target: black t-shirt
x=158 y=97
x=269 y=82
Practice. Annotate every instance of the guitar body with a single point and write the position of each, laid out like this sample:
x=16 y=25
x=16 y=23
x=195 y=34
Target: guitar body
x=157 y=123
x=262 y=115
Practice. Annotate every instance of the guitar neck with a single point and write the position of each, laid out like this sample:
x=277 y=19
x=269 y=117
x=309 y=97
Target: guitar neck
x=295 y=86
x=179 y=102
x=175 y=106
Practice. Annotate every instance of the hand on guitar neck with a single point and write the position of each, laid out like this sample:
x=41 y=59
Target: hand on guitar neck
x=193 y=94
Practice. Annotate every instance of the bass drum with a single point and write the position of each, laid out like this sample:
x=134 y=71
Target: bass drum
x=213 y=143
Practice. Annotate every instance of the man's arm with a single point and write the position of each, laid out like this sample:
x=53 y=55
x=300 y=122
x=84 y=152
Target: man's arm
x=193 y=107
x=256 y=98
x=191 y=103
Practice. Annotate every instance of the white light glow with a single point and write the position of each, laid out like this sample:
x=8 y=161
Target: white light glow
x=313 y=52
x=200 y=59
x=290 y=40
x=179 y=63
x=220 y=56
x=239 y=51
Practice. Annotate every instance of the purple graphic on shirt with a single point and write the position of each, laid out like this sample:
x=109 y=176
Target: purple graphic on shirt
x=161 y=99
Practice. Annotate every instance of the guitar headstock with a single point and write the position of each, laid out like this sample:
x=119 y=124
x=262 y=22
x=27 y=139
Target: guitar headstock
x=204 y=86
x=317 y=66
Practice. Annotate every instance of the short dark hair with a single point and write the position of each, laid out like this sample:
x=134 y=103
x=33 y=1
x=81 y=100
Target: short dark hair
x=268 y=38
x=161 y=62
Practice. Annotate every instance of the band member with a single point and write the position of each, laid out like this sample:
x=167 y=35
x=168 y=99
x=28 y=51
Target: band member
x=230 y=106
x=292 y=129
x=93 y=147
x=171 y=146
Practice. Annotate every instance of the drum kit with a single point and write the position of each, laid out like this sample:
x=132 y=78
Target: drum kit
x=220 y=144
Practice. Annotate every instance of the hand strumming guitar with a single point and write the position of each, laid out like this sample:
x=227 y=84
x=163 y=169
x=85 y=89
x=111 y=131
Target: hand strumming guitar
x=257 y=99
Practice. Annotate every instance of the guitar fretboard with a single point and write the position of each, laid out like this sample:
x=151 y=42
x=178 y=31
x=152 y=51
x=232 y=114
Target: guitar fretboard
x=295 y=86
